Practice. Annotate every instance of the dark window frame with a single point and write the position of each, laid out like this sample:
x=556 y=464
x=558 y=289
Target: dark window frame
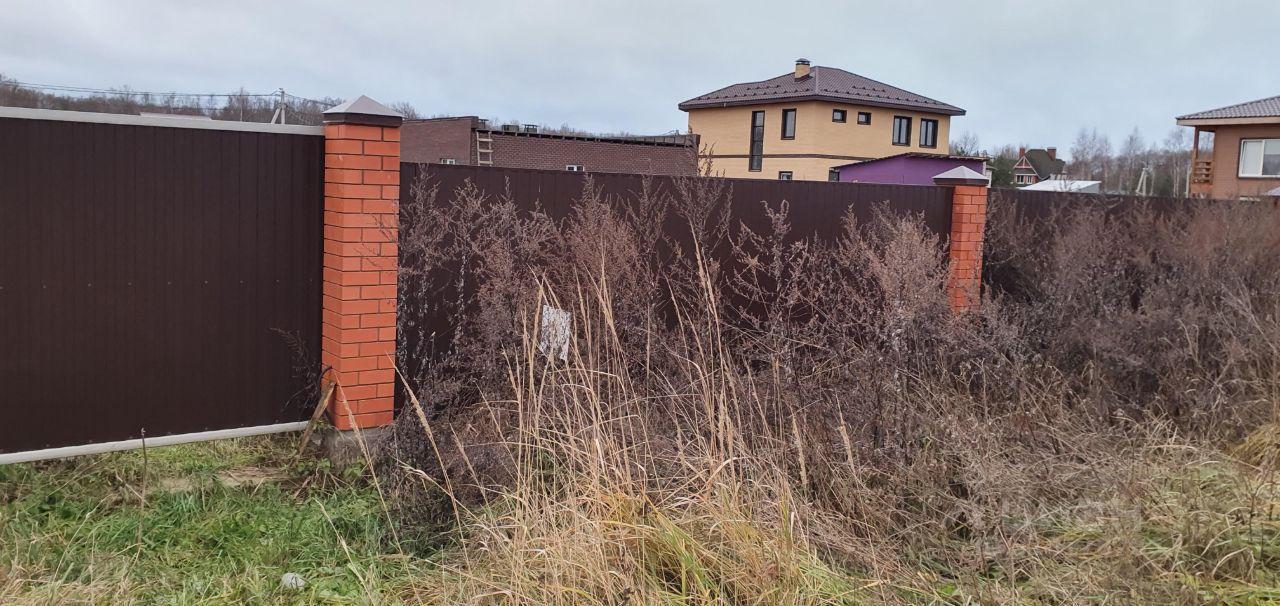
x=906 y=134
x=790 y=175
x=929 y=126
x=833 y=174
x=843 y=113
x=755 y=157
x=785 y=113
x=866 y=115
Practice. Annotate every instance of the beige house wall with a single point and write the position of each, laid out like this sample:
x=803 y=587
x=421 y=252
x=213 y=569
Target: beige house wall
x=819 y=143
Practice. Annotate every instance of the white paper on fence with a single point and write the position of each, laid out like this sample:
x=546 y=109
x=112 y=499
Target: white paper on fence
x=553 y=340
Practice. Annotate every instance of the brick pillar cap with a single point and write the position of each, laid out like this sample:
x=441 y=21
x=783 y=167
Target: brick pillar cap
x=961 y=175
x=363 y=110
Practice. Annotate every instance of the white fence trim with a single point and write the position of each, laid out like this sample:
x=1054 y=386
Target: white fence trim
x=182 y=438
x=160 y=121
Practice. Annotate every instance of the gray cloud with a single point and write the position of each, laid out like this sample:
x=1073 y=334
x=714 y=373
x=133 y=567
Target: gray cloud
x=1026 y=72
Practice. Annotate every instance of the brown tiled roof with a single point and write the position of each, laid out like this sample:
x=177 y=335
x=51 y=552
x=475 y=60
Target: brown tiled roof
x=825 y=83
x=1262 y=108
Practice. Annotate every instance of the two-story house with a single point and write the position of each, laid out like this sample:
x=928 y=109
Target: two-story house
x=1036 y=165
x=1245 y=158
x=804 y=123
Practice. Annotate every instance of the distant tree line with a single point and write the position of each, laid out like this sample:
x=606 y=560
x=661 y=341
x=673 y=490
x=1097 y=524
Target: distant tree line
x=240 y=106
x=1092 y=158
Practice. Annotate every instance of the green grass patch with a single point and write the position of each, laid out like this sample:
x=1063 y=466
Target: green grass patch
x=220 y=523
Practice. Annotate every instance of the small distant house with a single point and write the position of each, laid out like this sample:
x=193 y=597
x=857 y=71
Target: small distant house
x=911 y=168
x=1036 y=165
x=1066 y=185
x=470 y=140
x=802 y=123
x=1245 y=157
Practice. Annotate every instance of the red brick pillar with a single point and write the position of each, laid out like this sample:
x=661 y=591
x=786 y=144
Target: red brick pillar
x=968 y=220
x=361 y=205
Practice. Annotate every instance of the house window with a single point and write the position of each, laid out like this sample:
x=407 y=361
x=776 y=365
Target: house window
x=788 y=124
x=756 y=154
x=901 y=130
x=833 y=174
x=784 y=175
x=864 y=117
x=928 y=133
x=1260 y=158
x=839 y=115
x=573 y=168
x=448 y=161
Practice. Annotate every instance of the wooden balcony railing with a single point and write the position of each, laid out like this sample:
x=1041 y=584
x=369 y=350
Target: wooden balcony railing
x=1202 y=172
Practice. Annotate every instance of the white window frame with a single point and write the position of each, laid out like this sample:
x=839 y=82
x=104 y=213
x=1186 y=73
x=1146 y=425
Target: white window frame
x=574 y=168
x=1265 y=143
x=448 y=161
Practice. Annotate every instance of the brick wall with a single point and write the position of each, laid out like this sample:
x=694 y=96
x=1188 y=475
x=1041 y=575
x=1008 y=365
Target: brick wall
x=554 y=153
x=358 y=332
x=430 y=140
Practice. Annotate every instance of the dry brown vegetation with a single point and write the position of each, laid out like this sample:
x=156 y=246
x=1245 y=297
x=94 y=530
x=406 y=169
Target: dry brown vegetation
x=762 y=418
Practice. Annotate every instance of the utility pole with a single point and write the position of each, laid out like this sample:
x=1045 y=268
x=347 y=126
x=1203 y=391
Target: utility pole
x=1146 y=180
x=280 y=110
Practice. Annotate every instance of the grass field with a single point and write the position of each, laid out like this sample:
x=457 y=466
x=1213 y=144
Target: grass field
x=221 y=522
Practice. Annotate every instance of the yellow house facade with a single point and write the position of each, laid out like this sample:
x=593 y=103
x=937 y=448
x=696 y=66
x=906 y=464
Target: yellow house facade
x=802 y=124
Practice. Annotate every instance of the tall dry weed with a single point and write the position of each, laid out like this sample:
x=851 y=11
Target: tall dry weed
x=763 y=417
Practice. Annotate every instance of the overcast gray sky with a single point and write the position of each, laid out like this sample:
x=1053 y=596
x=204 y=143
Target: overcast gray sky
x=1027 y=72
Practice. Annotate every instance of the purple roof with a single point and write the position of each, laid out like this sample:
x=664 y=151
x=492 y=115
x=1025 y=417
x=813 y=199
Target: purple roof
x=822 y=83
x=907 y=169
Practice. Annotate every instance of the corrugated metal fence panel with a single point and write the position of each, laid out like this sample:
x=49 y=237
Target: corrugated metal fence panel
x=1046 y=205
x=816 y=206
x=817 y=209
x=144 y=274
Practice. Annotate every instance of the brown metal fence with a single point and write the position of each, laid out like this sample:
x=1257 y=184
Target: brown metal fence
x=145 y=275
x=1042 y=205
x=817 y=206
x=817 y=210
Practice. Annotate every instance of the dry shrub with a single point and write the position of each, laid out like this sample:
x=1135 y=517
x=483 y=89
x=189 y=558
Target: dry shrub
x=761 y=417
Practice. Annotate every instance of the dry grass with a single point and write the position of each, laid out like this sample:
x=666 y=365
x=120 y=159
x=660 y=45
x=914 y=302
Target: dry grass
x=759 y=418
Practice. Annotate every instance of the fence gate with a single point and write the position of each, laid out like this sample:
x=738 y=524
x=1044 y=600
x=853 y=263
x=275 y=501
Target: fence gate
x=157 y=275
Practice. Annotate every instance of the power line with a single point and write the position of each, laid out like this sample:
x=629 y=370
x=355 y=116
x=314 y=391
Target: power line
x=132 y=93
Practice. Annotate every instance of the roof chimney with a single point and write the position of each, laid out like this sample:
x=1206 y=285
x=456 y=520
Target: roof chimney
x=802 y=68
x=1022 y=151
x=1053 y=152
